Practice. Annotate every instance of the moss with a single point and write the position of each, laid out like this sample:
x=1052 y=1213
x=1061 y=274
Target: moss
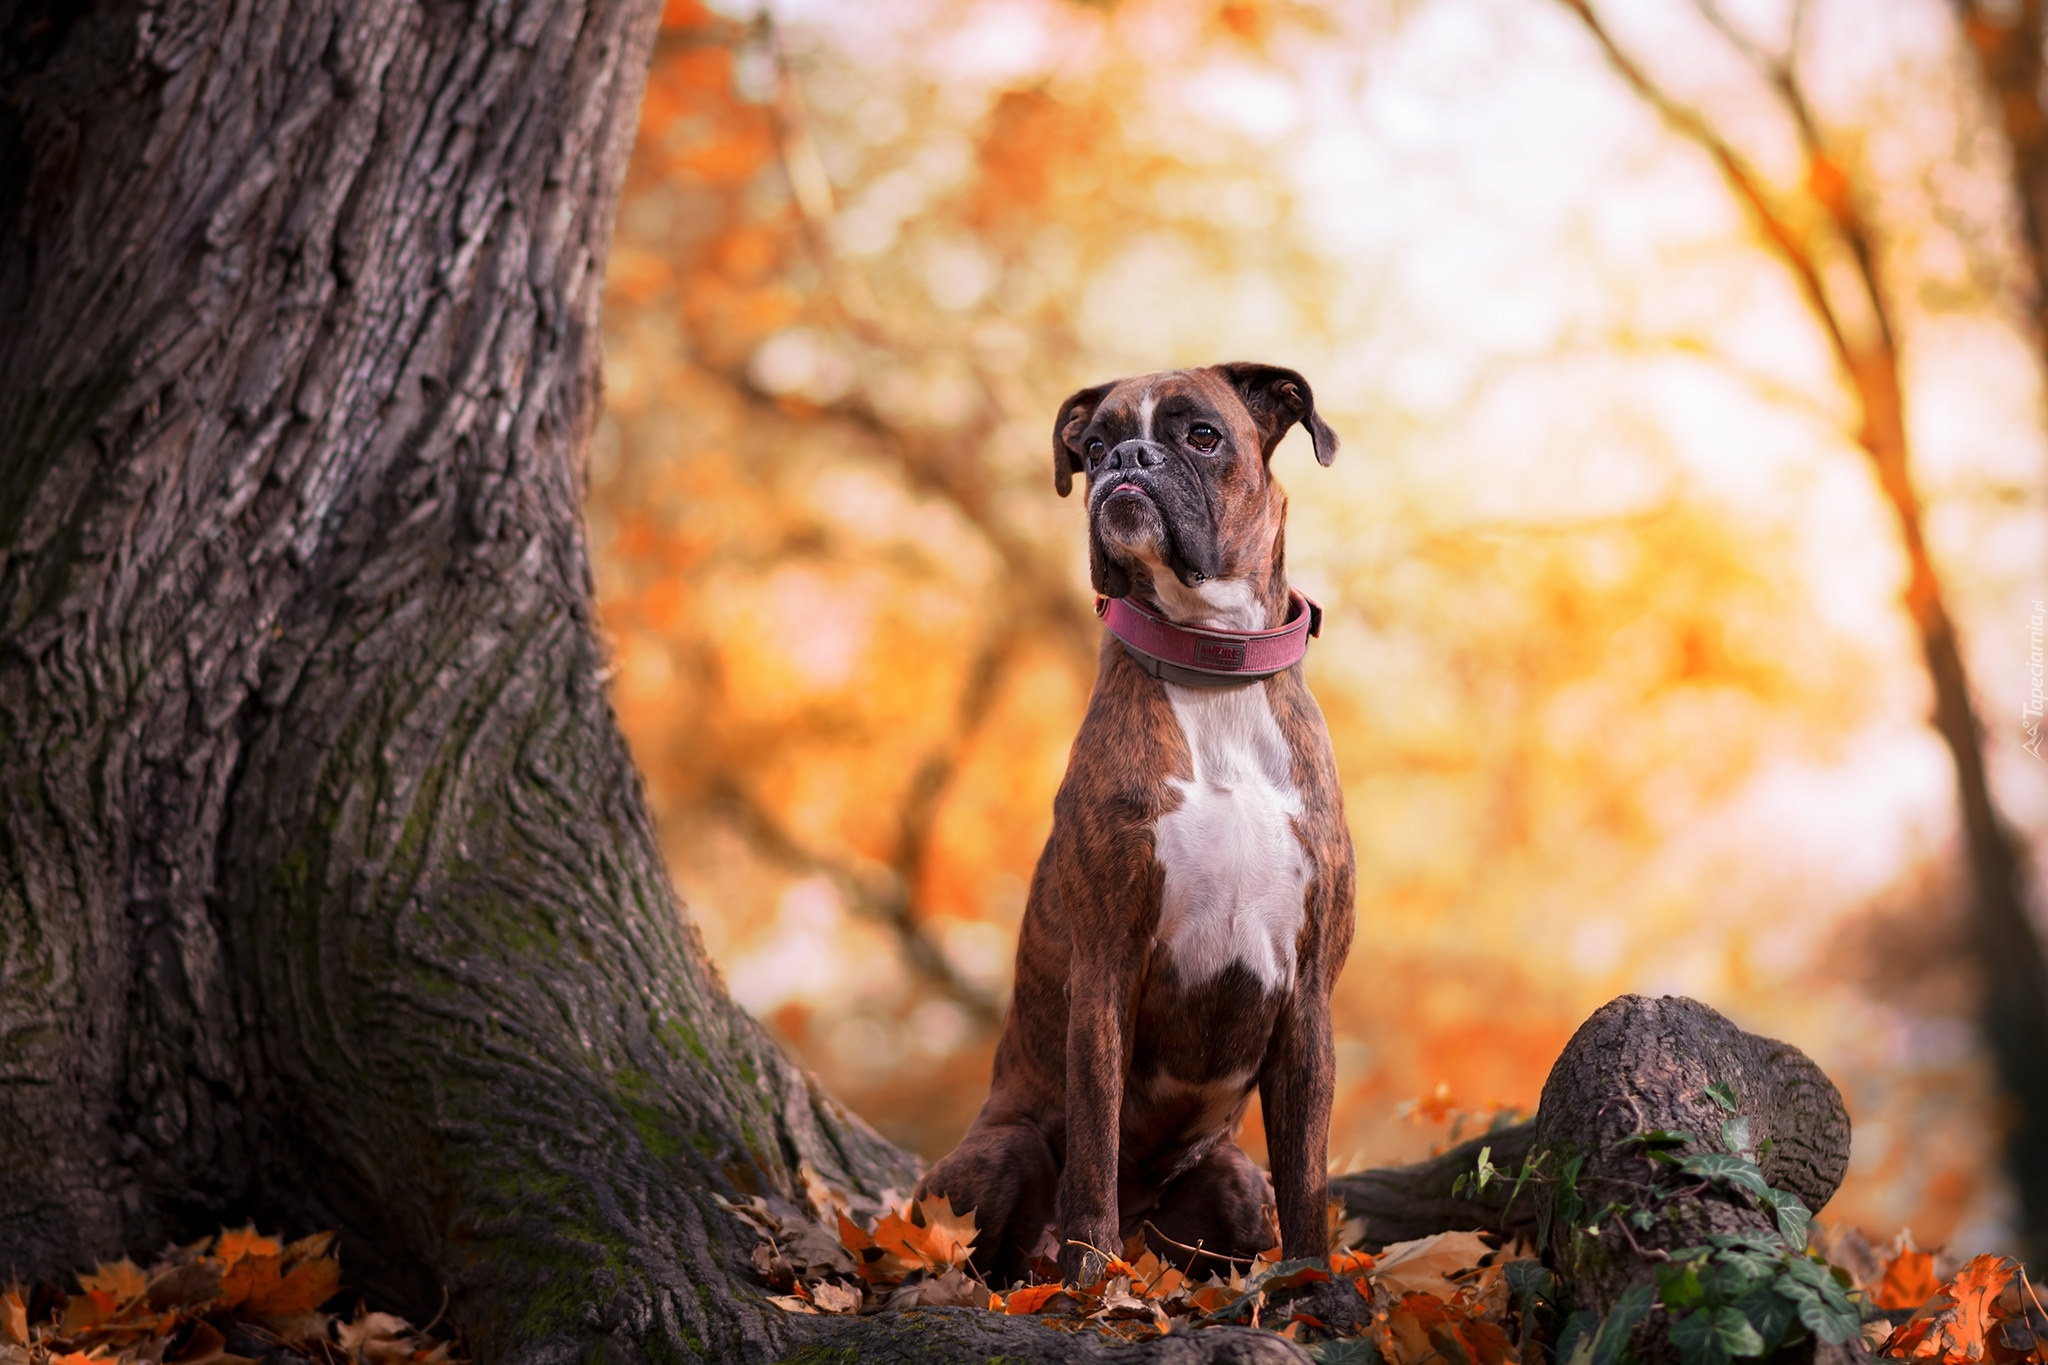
x=652 y=1118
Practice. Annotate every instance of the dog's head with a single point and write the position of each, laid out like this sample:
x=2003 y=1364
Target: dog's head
x=1181 y=500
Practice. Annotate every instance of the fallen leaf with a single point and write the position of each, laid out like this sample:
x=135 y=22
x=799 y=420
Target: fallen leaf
x=953 y=1288
x=1955 y=1325
x=1908 y=1281
x=948 y=1237
x=1351 y=1263
x=1031 y=1298
x=115 y=1285
x=1428 y=1265
x=835 y=1298
x=376 y=1338
x=14 y=1316
x=242 y=1242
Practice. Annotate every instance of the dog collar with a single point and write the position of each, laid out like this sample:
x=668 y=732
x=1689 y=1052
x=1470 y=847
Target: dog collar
x=1211 y=658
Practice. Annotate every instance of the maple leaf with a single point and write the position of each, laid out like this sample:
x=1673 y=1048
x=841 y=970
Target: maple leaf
x=948 y=1236
x=239 y=1242
x=1430 y=1265
x=1955 y=1326
x=114 y=1286
x=927 y=1235
x=1031 y=1298
x=1423 y=1327
x=1908 y=1281
x=283 y=1291
x=1352 y=1263
x=14 y=1315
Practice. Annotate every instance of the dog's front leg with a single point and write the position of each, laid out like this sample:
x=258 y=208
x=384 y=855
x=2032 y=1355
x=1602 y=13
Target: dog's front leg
x=1098 y=1048
x=1296 y=1085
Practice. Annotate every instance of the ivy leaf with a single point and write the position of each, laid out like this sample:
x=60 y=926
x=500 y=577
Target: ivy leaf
x=1678 y=1284
x=1610 y=1342
x=1720 y=1093
x=1734 y=1172
x=1734 y=1274
x=1713 y=1336
x=1659 y=1137
x=1346 y=1351
x=1575 y=1339
x=1795 y=1220
x=1769 y=1313
x=1529 y=1281
x=1823 y=1308
x=1735 y=1135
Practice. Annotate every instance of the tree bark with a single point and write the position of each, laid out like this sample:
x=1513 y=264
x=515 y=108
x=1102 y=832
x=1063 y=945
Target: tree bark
x=327 y=892
x=2006 y=42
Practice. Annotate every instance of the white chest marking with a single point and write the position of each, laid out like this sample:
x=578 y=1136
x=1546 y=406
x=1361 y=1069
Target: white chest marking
x=1235 y=874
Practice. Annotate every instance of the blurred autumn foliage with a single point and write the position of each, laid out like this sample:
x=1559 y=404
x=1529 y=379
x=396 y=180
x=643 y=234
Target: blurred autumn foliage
x=1621 y=690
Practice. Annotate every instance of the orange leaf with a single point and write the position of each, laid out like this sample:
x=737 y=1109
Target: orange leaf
x=14 y=1316
x=1165 y=1284
x=84 y=1312
x=1438 y=1104
x=1956 y=1326
x=1031 y=1298
x=1908 y=1281
x=946 y=1237
x=115 y=1285
x=240 y=1242
x=1351 y=1263
x=282 y=1286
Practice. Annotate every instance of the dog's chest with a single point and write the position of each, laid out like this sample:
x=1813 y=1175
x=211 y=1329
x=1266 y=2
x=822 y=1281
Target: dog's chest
x=1235 y=874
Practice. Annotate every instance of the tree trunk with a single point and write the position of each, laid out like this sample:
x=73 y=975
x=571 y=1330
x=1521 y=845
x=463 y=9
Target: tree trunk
x=2006 y=41
x=327 y=892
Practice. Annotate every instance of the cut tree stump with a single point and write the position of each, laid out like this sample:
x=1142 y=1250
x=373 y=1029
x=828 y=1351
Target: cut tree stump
x=1670 y=1120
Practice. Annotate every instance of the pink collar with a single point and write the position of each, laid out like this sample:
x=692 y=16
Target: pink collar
x=1211 y=658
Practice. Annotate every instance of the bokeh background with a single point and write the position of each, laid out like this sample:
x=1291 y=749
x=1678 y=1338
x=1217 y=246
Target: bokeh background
x=1622 y=688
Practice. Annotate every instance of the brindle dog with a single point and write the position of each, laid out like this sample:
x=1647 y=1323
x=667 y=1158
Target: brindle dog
x=1193 y=906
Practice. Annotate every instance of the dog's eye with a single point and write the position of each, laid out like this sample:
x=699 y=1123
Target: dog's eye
x=1203 y=437
x=1092 y=450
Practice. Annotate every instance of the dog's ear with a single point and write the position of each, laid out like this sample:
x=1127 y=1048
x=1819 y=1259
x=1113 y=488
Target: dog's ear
x=1278 y=399
x=1073 y=419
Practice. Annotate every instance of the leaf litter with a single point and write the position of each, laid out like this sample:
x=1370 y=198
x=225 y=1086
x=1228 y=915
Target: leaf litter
x=1455 y=1298
x=234 y=1299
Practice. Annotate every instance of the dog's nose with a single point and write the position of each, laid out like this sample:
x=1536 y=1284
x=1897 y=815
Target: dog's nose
x=1134 y=455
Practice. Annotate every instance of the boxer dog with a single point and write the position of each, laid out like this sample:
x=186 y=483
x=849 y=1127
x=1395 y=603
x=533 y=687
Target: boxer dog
x=1193 y=905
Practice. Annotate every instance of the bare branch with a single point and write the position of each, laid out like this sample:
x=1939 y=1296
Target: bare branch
x=879 y=894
